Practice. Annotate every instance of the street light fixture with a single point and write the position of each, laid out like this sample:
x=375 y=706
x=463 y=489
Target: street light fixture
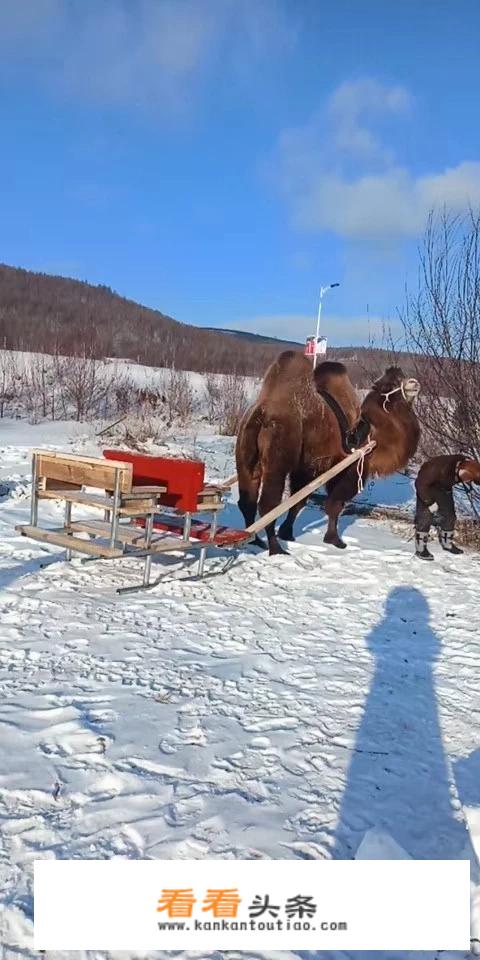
x=323 y=290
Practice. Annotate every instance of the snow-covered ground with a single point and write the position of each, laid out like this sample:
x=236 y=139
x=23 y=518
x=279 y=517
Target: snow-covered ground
x=289 y=707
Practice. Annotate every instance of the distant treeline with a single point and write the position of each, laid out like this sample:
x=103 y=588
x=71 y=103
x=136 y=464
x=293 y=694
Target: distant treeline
x=66 y=317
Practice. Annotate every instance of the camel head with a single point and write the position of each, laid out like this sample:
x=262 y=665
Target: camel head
x=394 y=386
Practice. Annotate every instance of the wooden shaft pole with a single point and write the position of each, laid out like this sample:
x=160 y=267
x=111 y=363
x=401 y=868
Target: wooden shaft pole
x=226 y=484
x=285 y=505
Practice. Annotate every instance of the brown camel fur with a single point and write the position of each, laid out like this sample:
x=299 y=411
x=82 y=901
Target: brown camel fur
x=290 y=432
x=390 y=421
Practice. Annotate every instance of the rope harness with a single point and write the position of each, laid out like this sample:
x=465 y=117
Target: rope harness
x=400 y=389
x=360 y=466
x=341 y=418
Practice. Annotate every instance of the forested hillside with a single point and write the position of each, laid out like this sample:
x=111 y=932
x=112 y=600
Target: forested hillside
x=57 y=315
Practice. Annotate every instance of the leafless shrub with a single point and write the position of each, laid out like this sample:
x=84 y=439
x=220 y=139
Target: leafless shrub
x=10 y=380
x=178 y=395
x=86 y=386
x=141 y=429
x=233 y=403
x=42 y=388
x=151 y=395
x=213 y=397
x=125 y=394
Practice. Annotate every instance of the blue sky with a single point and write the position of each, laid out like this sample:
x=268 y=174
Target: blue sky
x=221 y=159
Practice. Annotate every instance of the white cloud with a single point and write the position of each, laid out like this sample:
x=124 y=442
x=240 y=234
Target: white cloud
x=337 y=173
x=385 y=205
x=143 y=53
x=353 y=105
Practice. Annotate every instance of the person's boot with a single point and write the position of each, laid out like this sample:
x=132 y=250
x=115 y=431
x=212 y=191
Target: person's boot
x=446 y=542
x=421 y=549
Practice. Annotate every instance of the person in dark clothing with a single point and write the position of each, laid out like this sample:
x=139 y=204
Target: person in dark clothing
x=434 y=485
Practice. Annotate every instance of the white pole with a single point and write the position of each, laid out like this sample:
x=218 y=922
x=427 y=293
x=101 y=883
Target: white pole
x=322 y=291
x=319 y=314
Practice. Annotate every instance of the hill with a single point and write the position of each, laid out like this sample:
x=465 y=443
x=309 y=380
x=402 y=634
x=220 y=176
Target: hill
x=258 y=337
x=52 y=314
x=57 y=315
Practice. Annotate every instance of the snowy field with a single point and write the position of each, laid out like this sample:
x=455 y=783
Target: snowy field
x=323 y=704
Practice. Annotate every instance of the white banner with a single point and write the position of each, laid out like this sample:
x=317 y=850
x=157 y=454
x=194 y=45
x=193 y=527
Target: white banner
x=251 y=904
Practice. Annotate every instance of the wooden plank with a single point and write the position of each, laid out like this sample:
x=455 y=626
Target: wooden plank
x=132 y=508
x=61 y=539
x=143 y=493
x=136 y=491
x=137 y=508
x=285 y=505
x=77 y=458
x=126 y=533
x=100 y=474
x=129 y=536
x=77 y=496
x=48 y=484
x=169 y=545
x=208 y=503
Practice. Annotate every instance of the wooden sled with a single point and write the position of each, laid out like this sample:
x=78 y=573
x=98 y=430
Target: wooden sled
x=126 y=488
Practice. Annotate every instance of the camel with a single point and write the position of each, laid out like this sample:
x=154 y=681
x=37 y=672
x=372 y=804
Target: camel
x=291 y=431
x=303 y=423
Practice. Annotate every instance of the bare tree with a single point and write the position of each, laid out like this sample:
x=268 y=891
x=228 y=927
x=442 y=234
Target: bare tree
x=442 y=329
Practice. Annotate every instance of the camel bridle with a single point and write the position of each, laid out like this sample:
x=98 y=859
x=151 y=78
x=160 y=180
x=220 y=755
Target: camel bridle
x=408 y=393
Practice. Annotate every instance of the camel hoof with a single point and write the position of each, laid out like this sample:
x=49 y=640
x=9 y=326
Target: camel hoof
x=286 y=534
x=257 y=542
x=335 y=541
x=275 y=550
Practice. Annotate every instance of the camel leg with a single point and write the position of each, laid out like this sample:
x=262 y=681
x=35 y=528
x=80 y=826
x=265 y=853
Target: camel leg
x=333 y=509
x=247 y=503
x=340 y=490
x=272 y=492
x=297 y=481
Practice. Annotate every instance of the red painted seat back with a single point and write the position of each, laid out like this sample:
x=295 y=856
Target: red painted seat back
x=184 y=479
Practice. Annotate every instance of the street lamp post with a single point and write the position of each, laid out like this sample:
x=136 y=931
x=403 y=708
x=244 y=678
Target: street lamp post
x=323 y=290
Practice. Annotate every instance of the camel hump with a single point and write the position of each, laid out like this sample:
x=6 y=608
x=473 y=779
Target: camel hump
x=330 y=371
x=332 y=377
x=290 y=366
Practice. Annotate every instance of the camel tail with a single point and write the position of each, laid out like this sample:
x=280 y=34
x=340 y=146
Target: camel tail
x=248 y=463
x=247 y=452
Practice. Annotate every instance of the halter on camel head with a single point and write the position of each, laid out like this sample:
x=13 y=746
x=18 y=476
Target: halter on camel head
x=409 y=388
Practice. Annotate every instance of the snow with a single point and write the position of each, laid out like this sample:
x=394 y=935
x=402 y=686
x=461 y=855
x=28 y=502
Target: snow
x=322 y=704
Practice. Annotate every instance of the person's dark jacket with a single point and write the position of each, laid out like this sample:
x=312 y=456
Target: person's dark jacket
x=440 y=473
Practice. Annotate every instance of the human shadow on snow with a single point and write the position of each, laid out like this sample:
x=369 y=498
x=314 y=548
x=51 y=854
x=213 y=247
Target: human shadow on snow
x=398 y=780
